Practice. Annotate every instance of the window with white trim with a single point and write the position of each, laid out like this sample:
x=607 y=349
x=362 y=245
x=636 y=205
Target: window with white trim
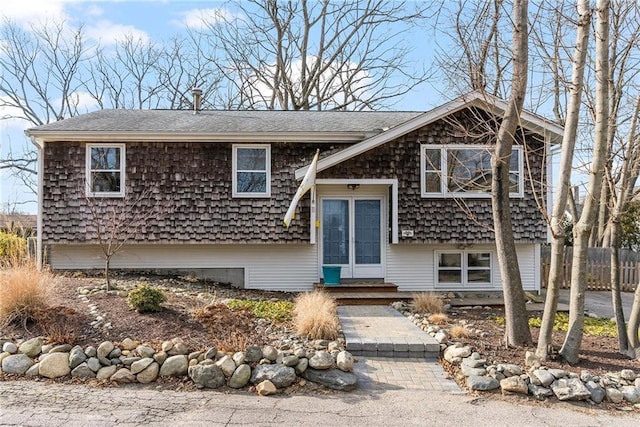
x=464 y=171
x=463 y=268
x=105 y=170
x=251 y=170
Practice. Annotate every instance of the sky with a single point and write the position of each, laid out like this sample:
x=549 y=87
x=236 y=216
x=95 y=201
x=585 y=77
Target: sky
x=106 y=21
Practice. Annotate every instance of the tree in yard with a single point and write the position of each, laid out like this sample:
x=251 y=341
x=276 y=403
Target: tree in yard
x=517 y=331
x=314 y=55
x=558 y=217
x=582 y=230
x=114 y=222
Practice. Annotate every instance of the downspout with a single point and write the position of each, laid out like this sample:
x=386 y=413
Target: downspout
x=39 y=143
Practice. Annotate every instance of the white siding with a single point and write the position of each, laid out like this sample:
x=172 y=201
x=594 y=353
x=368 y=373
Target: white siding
x=268 y=267
x=412 y=267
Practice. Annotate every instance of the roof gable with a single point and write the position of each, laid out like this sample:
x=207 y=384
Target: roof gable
x=489 y=103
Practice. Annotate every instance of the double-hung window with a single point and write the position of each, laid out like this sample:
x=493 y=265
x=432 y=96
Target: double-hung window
x=105 y=170
x=464 y=171
x=463 y=268
x=251 y=171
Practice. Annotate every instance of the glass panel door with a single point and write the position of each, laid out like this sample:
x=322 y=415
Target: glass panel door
x=335 y=232
x=367 y=231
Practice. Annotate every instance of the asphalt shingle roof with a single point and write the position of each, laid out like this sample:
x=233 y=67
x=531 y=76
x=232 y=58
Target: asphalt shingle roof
x=180 y=121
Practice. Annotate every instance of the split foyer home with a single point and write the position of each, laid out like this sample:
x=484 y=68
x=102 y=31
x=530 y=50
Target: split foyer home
x=400 y=197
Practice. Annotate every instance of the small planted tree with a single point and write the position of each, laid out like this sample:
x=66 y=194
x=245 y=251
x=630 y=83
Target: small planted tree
x=115 y=221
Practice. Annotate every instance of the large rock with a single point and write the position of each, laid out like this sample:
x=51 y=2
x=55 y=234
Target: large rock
x=539 y=392
x=482 y=383
x=83 y=371
x=281 y=376
x=128 y=344
x=174 y=366
x=345 y=361
x=145 y=351
x=76 y=357
x=240 y=377
x=302 y=365
x=468 y=371
x=106 y=372
x=123 y=375
x=570 y=389
x=628 y=374
x=105 y=348
x=94 y=364
x=270 y=353
x=32 y=347
x=55 y=365
x=614 y=395
x=16 y=364
x=514 y=385
x=266 y=388
x=331 y=378
x=291 y=360
x=455 y=354
x=509 y=369
x=10 y=347
x=140 y=365
x=321 y=360
x=543 y=376
x=253 y=354
x=149 y=374
x=631 y=393
x=227 y=365
x=206 y=376
x=597 y=392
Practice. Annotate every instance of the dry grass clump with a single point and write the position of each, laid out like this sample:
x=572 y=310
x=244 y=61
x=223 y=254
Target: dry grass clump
x=427 y=303
x=23 y=290
x=13 y=250
x=315 y=317
x=438 y=318
x=460 y=331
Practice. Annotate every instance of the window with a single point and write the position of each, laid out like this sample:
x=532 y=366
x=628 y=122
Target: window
x=463 y=268
x=105 y=170
x=251 y=171
x=464 y=171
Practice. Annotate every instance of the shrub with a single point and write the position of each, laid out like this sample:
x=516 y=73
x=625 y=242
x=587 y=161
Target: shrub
x=427 y=303
x=146 y=299
x=315 y=316
x=277 y=311
x=13 y=249
x=23 y=290
x=460 y=331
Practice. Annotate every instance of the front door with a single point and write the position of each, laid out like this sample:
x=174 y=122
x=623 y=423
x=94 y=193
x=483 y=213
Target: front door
x=351 y=229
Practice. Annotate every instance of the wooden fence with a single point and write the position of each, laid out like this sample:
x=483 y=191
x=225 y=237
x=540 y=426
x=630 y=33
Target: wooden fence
x=598 y=270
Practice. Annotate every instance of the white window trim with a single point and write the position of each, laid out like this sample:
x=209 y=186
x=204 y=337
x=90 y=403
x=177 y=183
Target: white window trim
x=444 y=193
x=234 y=178
x=88 y=179
x=464 y=268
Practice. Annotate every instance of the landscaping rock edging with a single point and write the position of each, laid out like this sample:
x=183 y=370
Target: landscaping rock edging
x=266 y=367
x=536 y=380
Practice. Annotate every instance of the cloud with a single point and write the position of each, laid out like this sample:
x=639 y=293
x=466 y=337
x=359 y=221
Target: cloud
x=25 y=12
x=108 y=33
x=198 y=19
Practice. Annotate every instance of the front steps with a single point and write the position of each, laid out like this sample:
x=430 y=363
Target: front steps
x=364 y=293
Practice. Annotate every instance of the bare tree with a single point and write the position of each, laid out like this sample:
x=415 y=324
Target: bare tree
x=113 y=222
x=517 y=327
x=315 y=55
x=582 y=230
x=557 y=227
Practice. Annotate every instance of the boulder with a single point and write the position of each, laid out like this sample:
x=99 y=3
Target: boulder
x=265 y=388
x=123 y=375
x=160 y=357
x=614 y=395
x=82 y=371
x=33 y=371
x=345 y=361
x=16 y=364
x=269 y=352
x=94 y=364
x=178 y=348
x=206 y=376
x=239 y=358
x=291 y=360
x=140 y=365
x=332 y=378
x=468 y=371
x=631 y=393
x=281 y=376
x=106 y=372
x=531 y=360
x=321 y=360
x=543 y=376
x=514 y=384
x=104 y=349
x=145 y=351
x=32 y=347
x=455 y=353
x=211 y=353
x=227 y=365
x=482 y=383
x=62 y=348
x=628 y=374
x=240 y=376
x=539 y=392
x=174 y=366
x=570 y=389
x=128 y=344
x=253 y=354
x=9 y=347
x=441 y=337
x=302 y=365
x=149 y=374
x=76 y=357
x=91 y=351
x=509 y=370
x=597 y=392
x=55 y=365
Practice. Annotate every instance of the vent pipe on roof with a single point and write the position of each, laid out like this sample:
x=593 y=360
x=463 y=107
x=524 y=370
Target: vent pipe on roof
x=197 y=98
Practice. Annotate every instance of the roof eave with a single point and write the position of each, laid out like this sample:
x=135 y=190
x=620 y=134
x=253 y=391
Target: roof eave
x=111 y=136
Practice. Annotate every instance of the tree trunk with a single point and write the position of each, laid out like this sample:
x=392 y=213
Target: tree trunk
x=107 y=269
x=634 y=322
x=582 y=231
x=616 y=298
x=517 y=327
x=556 y=269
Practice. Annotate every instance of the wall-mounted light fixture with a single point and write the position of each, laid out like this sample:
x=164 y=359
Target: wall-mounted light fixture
x=353 y=187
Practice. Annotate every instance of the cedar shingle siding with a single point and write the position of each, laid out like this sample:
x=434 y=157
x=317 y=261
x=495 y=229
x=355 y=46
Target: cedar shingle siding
x=192 y=185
